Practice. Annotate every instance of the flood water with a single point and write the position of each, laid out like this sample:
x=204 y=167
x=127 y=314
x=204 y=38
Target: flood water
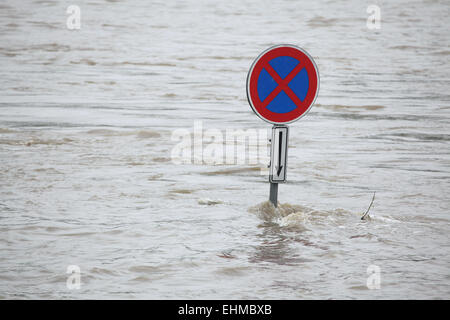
x=87 y=176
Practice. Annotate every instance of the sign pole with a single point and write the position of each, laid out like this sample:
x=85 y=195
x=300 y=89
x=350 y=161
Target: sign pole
x=273 y=197
x=278 y=160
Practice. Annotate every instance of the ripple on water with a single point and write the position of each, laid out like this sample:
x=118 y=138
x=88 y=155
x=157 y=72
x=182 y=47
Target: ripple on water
x=294 y=215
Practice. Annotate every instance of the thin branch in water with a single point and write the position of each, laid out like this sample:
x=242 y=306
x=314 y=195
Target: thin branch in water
x=366 y=214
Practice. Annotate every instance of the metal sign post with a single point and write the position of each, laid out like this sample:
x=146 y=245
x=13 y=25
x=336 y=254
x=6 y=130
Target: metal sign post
x=278 y=160
x=282 y=85
x=273 y=195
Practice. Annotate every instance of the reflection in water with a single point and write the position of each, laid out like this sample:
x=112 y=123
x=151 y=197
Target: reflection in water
x=276 y=246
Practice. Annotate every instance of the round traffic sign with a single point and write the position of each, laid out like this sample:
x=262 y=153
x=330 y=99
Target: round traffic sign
x=282 y=84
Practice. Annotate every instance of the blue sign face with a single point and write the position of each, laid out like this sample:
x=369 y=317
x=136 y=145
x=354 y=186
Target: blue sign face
x=279 y=75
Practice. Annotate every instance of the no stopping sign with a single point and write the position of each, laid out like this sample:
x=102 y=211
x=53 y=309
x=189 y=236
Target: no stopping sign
x=282 y=84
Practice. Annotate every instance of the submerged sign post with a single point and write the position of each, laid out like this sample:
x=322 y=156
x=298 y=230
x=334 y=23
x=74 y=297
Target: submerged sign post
x=282 y=85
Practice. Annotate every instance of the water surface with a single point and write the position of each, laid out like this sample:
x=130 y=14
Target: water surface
x=86 y=176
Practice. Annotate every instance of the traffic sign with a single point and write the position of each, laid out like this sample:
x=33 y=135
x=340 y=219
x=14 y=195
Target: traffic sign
x=278 y=154
x=282 y=84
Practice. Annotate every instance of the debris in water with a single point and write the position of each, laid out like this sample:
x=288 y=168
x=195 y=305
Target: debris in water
x=366 y=214
x=209 y=202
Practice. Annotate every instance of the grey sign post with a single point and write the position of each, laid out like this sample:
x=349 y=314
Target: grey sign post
x=282 y=85
x=278 y=160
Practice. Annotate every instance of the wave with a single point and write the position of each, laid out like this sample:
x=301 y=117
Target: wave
x=143 y=134
x=298 y=216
